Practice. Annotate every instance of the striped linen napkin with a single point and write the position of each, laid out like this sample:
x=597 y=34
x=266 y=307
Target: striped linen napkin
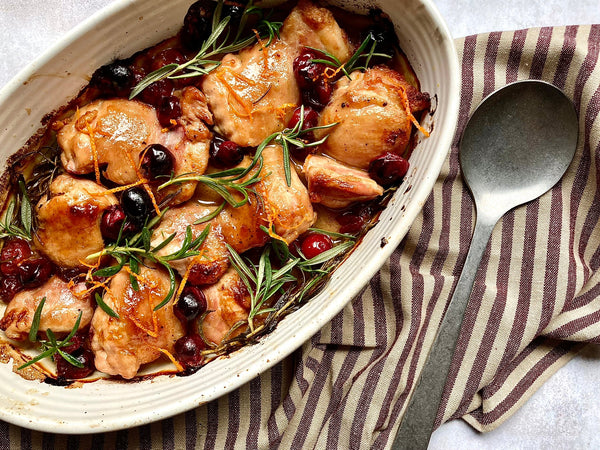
x=535 y=303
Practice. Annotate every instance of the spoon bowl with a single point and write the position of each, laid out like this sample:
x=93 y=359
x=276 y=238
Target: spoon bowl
x=517 y=145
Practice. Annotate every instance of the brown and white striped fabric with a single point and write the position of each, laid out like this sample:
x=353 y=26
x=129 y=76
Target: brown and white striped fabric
x=535 y=303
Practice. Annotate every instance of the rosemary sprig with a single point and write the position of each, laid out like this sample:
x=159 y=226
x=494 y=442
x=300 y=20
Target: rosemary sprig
x=366 y=52
x=21 y=226
x=226 y=181
x=217 y=43
x=293 y=136
x=51 y=346
x=264 y=281
x=132 y=252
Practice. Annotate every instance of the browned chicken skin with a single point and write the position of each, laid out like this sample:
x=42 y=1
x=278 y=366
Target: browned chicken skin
x=335 y=185
x=118 y=130
x=371 y=116
x=122 y=345
x=253 y=93
x=61 y=309
x=229 y=302
x=69 y=220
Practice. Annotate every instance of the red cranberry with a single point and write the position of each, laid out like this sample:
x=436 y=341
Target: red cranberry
x=306 y=71
x=319 y=95
x=311 y=119
x=354 y=219
x=168 y=110
x=315 y=244
x=9 y=287
x=157 y=161
x=191 y=304
x=14 y=251
x=197 y=24
x=136 y=204
x=388 y=169
x=188 y=350
x=34 y=272
x=168 y=56
x=112 y=221
x=113 y=80
x=158 y=90
x=65 y=369
x=225 y=154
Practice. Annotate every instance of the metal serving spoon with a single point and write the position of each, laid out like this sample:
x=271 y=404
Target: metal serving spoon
x=517 y=145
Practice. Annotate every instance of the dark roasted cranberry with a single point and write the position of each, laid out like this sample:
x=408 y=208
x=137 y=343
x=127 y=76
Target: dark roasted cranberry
x=306 y=71
x=197 y=24
x=34 y=272
x=319 y=95
x=188 y=350
x=311 y=119
x=388 y=169
x=225 y=154
x=65 y=369
x=113 y=80
x=14 y=251
x=168 y=56
x=9 y=287
x=191 y=304
x=168 y=110
x=112 y=221
x=315 y=244
x=156 y=161
x=355 y=218
x=136 y=204
x=158 y=90
x=233 y=10
x=384 y=36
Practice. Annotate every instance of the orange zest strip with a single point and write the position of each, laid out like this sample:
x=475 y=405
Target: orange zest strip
x=186 y=275
x=264 y=50
x=144 y=183
x=120 y=188
x=166 y=352
x=239 y=76
x=90 y=133
x=409 y=114
x=243 y=102
x=330 y=72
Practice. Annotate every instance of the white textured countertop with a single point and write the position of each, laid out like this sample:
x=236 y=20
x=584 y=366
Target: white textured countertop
x=565 y=412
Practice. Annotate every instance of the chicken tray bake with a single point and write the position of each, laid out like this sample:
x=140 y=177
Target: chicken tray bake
x=197 y=192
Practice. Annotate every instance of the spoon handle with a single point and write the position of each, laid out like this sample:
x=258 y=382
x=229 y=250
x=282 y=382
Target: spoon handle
x=420 y=415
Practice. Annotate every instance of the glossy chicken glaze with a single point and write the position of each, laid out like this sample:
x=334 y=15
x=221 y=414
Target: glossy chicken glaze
x=249 y=97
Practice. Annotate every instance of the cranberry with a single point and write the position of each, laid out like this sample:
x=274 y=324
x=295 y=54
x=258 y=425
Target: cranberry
x=188 y=350
x=34 y=272
x=384 y=36
x=315 y=86
x=319 y=95
x=315 y=244
x=168 y=56
x=65 y=369
x=112 y=222
x=225 y=154
x=114 y=80
x=233 y=10
x=9 y=287
x=388 y=169
x=311 y=119
x=14 y=251
x=168 y=110
x=158 y=90
x=306 y=71
x=354 y=219
x=190 y=304
x=136 y=204
x=157 y=161
x=197 y=24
